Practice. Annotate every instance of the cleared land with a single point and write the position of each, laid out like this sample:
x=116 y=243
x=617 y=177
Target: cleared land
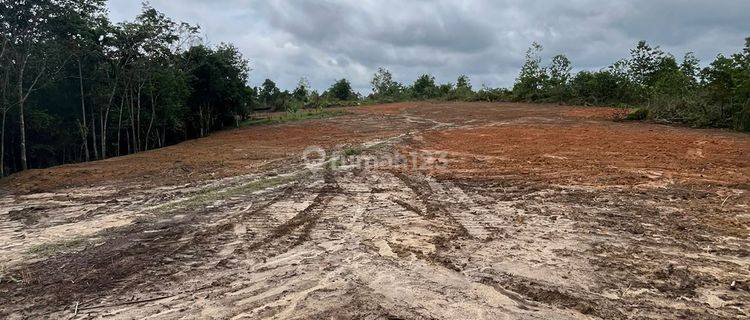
x=524 y=211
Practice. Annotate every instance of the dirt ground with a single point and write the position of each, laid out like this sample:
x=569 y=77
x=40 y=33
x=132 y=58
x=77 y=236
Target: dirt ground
x=420 y=211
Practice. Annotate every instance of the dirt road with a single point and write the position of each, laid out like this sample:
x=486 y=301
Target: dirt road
x=417 y=211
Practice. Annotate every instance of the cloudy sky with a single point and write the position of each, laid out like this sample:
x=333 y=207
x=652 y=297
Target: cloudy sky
x=485 y=39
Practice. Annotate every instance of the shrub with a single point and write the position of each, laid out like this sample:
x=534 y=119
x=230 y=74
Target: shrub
x=342 y=91
x=492 y=95
x=294 y=106
x=742 y=119
x=637 y=114
x=425 y=88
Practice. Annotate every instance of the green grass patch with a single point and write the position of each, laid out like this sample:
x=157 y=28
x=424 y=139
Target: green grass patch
x=49 y=249
x=6 y=277
x=334 y=164
x=213 y=194
x=262 y=184
x=294 y=116
x=352 y=151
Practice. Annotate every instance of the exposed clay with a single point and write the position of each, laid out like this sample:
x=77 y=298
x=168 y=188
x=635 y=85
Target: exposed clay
x=538 y=212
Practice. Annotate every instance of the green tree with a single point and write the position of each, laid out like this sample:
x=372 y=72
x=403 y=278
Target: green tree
x=342 y=90
x=384 y=87
x=644 y=63
x=32 y=49
x=741 y=119
x=557 y=85
x=301 y=92
x=463 y=90
x=424 y=87
x=532 y=77
x=167 y=85
x=669 y=78
x=82 y=28
x=463 y=83
x=269 y=95
x=690 y=67
x=4 y=103
x=719 y=80
x=218 y=87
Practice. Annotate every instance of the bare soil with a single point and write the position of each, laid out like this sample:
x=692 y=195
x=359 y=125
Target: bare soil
x=510 y=211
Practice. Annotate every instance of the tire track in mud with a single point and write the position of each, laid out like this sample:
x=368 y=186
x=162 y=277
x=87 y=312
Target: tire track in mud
x=319 y=251
x=151 y=250
x=527 y=292
x=236 y=283
x=621 y=257
x=59 y=280
x=435 y=209
x=452 y=230
x=408 y=206
x=308 y=276
x=297 y=229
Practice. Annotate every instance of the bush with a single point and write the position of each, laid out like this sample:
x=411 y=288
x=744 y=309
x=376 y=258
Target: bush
x=425 y=88
x=342 y=91
x=742 y=119
x=637 y=114
x=294 y=106
x=492 y=95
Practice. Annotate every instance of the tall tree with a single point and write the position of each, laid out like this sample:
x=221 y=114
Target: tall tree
x=463 y=90
x=690 y=67
x=269 y=94
x=146 y=66
x=218 y=87
x=383 y=85
x=532 y=76
x=31 y=30
x=82 y=26
x=301 y=91
x=644 y=62
x=558 y=78
x=4 y=102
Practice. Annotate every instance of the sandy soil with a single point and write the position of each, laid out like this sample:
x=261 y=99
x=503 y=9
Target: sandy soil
x=495 y=211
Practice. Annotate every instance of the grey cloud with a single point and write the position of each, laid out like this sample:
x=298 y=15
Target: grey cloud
x=432 y=25
x=673 y=22
x=309 y=21
x=485 y=39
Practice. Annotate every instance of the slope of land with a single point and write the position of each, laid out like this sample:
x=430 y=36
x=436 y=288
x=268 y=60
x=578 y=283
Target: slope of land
x=422 y=211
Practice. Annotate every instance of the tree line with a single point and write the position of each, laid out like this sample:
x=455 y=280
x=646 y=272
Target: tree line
x=75 y=86
x=665 y=88
x=658 y=84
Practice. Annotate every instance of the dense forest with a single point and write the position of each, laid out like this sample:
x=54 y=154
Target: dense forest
x=76 y=87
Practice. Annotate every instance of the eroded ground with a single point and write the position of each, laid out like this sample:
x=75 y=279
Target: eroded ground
x=495 y=211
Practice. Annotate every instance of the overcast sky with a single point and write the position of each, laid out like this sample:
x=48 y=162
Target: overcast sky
x=485 y=39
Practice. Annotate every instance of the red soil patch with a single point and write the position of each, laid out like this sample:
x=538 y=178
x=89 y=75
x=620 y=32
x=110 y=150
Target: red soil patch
x=544 y=141
x=598 y=153
x=222 y=154
x=601 y=113
x=387 y=109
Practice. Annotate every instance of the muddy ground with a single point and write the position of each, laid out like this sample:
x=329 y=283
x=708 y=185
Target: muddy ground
x=417 y=211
